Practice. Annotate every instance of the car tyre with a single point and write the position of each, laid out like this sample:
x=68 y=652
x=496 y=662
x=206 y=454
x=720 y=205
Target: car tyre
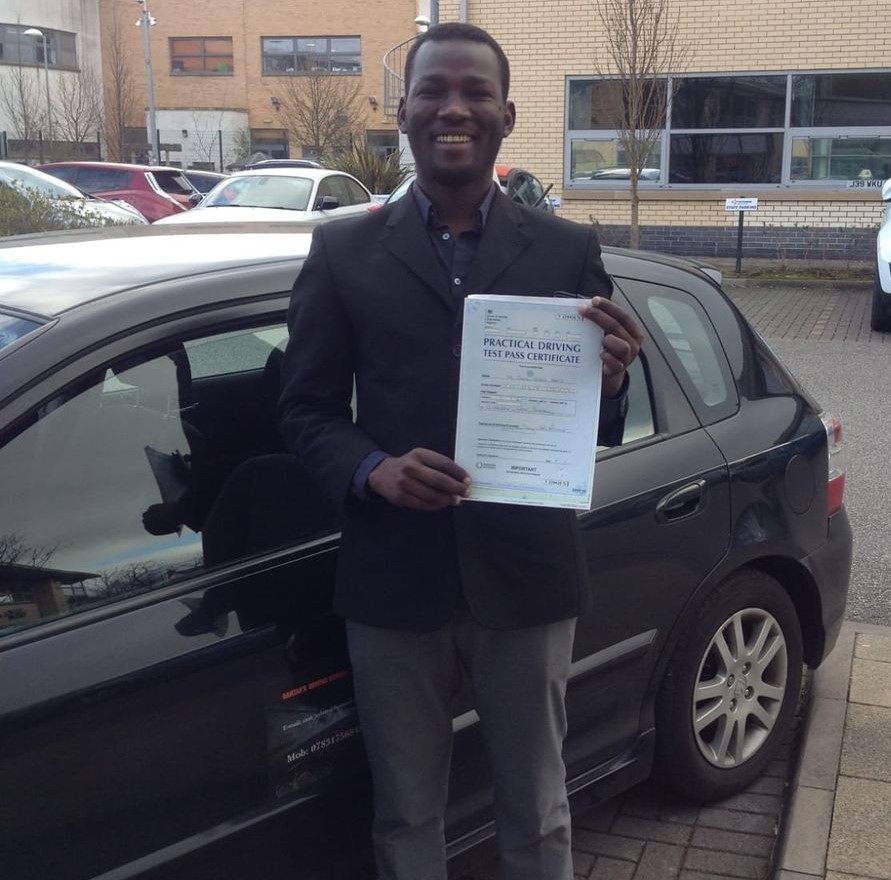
x=730 y=690
x=880 y=319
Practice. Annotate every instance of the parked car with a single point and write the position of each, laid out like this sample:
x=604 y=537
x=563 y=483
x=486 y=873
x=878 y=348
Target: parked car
x=881 y=294
x=176 y=696
x=283 y=163
x=25 y=179
x=279 y=195
x=522 y=186
x=157 y=191
x=203 y=181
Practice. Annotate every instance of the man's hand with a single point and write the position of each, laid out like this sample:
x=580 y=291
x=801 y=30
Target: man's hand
x=421 y=479
x=622 y=339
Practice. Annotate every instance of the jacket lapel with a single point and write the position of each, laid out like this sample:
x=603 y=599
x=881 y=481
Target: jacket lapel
x=406 y=238
x=504 y=239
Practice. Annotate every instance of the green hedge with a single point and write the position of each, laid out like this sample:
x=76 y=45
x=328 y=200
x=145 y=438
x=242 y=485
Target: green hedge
x=22 y=214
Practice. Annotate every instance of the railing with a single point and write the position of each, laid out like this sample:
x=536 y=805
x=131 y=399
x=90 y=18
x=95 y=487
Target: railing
x=394 y=78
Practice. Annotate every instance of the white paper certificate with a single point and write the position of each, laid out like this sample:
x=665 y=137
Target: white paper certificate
x=529 y=400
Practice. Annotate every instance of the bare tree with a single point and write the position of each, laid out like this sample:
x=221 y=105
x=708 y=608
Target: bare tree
x=119 y=91
x=643 y=45
x=14 y=550
x=19 y=98
x=78 y=107
x=321 y=111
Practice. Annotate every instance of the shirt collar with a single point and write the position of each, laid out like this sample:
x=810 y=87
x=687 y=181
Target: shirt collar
x=428 y=212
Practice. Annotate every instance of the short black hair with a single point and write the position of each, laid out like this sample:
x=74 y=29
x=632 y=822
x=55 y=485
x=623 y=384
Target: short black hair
x=459 y=30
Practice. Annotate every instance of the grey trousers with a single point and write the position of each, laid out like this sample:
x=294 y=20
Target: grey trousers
x=405 y=683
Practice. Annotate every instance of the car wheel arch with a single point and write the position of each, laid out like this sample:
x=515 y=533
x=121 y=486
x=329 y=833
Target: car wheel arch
x=790 y=573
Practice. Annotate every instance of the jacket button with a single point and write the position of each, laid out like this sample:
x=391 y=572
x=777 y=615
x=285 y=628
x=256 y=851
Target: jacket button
x=456 y=350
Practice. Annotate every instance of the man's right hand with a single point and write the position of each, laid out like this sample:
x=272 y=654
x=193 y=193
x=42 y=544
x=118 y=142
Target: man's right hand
x=421 y=479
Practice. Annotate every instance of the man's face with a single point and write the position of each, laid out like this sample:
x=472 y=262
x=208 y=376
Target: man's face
x=454 y=113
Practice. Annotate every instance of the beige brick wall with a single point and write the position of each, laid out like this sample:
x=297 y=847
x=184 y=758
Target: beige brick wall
x=380 y=23
x=549 y=40
x=711 y=213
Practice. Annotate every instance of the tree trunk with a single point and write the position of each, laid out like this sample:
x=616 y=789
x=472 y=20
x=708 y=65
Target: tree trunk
x=634 y=230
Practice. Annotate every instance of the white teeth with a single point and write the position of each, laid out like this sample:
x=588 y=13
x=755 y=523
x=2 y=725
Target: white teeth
x=453 y=139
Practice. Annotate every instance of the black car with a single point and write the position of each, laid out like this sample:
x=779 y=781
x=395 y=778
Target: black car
x=176 y=696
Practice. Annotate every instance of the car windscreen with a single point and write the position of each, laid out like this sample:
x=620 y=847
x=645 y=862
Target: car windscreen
x=14 y=327
x=173 y=182
x=262 y=191
x=24 y=179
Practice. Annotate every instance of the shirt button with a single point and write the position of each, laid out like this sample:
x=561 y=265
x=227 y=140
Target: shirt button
x=457 y=282
x=446 y=236
x=456 y=351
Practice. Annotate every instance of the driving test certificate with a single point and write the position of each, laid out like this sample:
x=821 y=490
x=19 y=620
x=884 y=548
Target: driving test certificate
x=529 y=400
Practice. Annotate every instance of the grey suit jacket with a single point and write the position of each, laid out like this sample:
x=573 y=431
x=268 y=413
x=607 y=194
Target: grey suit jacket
x=373 y=302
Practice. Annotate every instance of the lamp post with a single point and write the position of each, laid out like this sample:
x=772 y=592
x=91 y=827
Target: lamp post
x=36 y=32
x=146 y=20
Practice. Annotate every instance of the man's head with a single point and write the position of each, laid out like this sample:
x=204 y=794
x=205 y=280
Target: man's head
x=455 y=110
x=455 y=30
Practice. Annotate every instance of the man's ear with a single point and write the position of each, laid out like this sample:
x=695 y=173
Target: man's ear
x=400 y=115
x=510 y=118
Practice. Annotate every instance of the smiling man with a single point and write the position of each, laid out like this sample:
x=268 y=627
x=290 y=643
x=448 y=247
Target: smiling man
x=438 y=594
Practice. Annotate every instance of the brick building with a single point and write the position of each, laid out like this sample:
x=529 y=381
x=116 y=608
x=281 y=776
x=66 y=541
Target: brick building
x=223 y=70
x=787 y=101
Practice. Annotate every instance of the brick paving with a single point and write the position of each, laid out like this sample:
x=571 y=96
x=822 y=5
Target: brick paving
x=808 y=312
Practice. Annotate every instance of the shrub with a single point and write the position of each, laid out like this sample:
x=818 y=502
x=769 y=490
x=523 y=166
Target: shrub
x=381 y=174
x=22 y=213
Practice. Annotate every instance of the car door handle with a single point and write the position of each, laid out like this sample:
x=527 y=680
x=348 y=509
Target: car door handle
x=681 y=503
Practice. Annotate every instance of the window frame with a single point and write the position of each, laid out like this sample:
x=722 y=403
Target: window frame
x=203 y=55
x=328 y=54
x=788 y=131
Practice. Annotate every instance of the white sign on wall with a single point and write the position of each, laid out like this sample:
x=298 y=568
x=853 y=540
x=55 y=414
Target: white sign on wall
x=740 y=204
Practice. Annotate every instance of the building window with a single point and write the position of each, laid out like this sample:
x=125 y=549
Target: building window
x=16 y=47
x=307 y=55
x=384 y=143
x=207 y=56
x=786 y=129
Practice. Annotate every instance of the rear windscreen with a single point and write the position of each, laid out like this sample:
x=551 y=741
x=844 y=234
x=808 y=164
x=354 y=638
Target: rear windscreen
x=172 y=182
x=14 y=327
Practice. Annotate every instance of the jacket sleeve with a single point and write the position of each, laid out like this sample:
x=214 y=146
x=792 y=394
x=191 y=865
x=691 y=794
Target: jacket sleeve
x=315 y=412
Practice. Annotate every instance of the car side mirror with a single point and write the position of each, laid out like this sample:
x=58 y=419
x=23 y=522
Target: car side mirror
x=195 y=197
x=327 y=203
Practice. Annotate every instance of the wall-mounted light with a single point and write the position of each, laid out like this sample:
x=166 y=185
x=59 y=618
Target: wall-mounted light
x=373 y=101
x=275 y=102
x=185 y=132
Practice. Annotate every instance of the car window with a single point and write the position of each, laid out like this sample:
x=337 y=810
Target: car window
x=66 y=174
x=262 y=191
x=357 y=195
x=102 y=179
x=14 y=327
x=639 y=421
x=148 y=472
x=173 y=182
x=691 y=345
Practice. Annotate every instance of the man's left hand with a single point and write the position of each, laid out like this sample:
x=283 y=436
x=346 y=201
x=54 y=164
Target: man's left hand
x=622 y=339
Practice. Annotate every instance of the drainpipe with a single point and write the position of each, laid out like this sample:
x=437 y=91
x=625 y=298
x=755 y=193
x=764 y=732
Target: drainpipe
x=462 y=10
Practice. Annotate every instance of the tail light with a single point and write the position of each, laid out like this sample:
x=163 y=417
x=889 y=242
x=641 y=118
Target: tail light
x=836 y=485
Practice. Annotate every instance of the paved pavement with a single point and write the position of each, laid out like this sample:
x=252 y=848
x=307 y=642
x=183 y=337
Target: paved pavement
x=822 y=810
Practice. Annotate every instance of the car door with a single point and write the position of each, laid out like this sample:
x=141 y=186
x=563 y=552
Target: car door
x=176 y=699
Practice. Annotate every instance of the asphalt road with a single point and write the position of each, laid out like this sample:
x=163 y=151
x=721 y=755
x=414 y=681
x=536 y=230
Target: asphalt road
x=823 y=336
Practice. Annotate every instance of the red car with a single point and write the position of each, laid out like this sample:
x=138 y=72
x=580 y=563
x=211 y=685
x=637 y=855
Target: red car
x=156 y=190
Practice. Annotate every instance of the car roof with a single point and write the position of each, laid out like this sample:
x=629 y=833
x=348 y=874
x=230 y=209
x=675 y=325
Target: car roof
x=279 y=171
x=51 y=273
x=47 y=274
x=117 y=166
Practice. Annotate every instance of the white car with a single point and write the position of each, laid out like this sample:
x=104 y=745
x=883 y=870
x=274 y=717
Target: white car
x=881 y=294
x=25 y=179
x=279 y=194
